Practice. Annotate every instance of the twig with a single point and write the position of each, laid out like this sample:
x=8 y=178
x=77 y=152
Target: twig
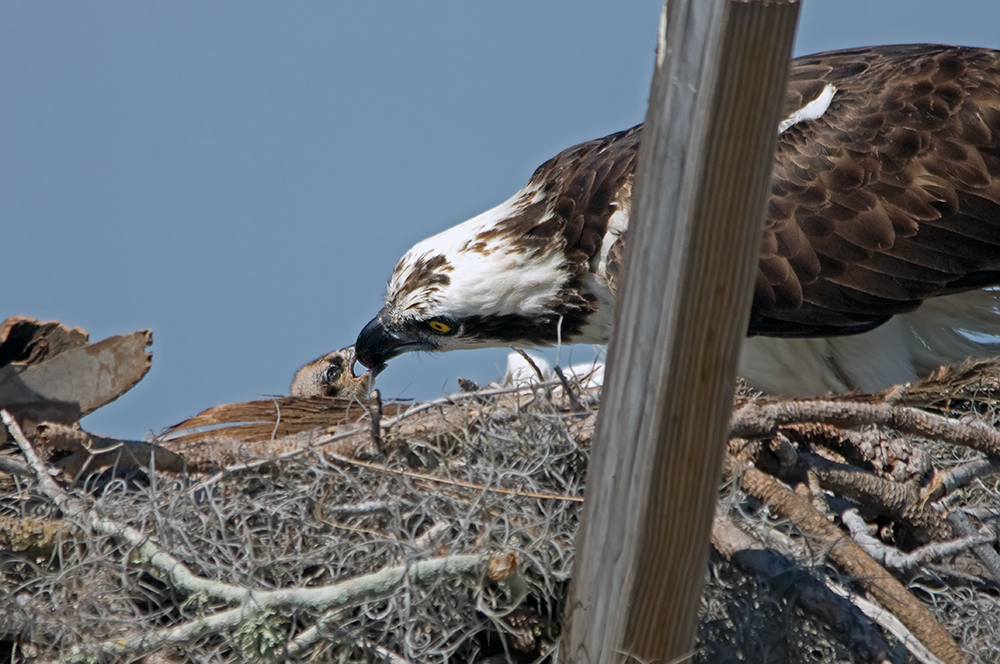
x=987 y=555
x=982 y=513
x=277 y=418
x=895 y=559
x=546 y=386
x=442 y=480
x=531 y=362
x=568 y=389
x=851 y=558
x=375 y=415
x=945 y=483
x=754 y=419
x=51 y=489
x=366 y=588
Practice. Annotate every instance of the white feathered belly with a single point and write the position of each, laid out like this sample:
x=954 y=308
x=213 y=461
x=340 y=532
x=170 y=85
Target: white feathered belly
x=907 y=347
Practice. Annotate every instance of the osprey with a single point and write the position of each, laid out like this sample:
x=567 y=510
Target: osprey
x=880 y=251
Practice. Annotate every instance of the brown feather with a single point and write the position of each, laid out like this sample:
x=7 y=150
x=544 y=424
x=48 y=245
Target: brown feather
x=896 y=187
x=890 y=197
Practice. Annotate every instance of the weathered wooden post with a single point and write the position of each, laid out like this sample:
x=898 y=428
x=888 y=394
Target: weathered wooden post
x=702 y=184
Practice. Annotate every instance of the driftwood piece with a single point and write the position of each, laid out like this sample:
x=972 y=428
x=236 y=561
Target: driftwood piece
x=763 y=418
x=29 y=341
x=92 y=452
x=86 y=378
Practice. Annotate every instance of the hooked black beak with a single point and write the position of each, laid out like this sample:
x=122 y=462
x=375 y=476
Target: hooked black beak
x=376 y=344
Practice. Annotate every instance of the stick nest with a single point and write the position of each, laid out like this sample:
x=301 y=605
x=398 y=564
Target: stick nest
x=331 y=531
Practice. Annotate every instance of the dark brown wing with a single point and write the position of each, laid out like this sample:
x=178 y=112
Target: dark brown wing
x=580 y=184
x=892 y=196
x=576 y=192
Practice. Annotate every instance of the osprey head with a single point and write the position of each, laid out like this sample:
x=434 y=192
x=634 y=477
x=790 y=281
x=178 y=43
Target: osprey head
x=502 y=278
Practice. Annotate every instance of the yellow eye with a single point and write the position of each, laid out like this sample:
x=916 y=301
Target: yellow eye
x=439 y=326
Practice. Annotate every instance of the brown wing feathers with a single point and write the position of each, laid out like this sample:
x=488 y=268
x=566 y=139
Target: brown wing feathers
x=890 y=197
x=582 y=183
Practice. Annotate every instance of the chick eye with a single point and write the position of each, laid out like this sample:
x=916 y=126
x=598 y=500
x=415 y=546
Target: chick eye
x=439 y=326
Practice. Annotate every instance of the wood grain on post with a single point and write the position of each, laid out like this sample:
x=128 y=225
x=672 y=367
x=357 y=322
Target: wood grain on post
x=703 y=181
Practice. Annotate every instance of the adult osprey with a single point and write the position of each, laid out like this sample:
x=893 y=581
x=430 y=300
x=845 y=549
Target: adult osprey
x=882 y=236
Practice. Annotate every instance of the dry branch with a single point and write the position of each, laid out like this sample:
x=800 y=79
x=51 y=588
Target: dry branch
x=852 y=559
x=756 y=419
x=986 y=553
x=944 y=483
x=255 y=602
x=897 y=560
x=899 y=501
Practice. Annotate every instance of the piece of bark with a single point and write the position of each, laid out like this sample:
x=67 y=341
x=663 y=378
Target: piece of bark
x=30 y=415
x=29 y=341
x=96 y=452
x=87 y=377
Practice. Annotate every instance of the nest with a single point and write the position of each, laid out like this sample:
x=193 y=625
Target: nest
x=330 y=530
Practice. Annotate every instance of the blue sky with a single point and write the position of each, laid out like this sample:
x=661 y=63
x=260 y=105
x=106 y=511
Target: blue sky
x=241 y=177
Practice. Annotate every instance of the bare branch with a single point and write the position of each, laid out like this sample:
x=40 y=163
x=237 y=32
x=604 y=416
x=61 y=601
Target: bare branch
x=985 y=552
x=896 y=559
x=755 y=419
x=946 y=482
x=899 y=501
x=852 y=559
x=352 y=591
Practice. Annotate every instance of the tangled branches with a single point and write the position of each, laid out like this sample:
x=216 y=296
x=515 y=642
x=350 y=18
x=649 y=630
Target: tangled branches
x=854 y=529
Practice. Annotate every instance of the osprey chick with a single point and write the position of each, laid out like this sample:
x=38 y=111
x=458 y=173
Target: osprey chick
x=881 y=242
x=332 y=375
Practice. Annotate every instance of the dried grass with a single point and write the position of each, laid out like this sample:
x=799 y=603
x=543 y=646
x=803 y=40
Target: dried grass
x=501 y=476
